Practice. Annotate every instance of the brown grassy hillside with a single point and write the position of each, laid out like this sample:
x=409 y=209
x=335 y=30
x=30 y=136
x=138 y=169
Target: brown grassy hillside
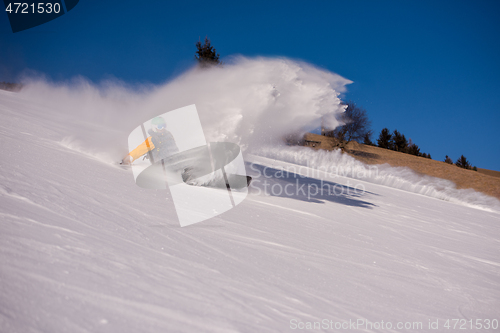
x=483 y=180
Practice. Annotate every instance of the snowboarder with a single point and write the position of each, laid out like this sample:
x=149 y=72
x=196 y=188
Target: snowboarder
x=159 y=145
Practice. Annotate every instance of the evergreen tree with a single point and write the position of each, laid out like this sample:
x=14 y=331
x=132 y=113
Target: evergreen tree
x=367 y=139
x=400 y=142
x=385 y=139
x=206 y=54
x=11 y=86
x=413 y=149
x=448 y=160
x=463 y=163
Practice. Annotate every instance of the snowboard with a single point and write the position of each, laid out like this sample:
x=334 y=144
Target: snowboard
x=224 y=180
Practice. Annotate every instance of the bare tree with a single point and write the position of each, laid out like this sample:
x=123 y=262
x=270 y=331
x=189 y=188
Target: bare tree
x=356 y=124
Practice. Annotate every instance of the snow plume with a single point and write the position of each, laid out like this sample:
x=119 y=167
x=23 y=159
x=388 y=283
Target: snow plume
x=335 y=163
x=248 y=101
x=251 y=102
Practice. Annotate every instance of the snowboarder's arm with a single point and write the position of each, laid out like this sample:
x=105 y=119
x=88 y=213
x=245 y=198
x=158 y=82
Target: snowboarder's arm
x=142 y=149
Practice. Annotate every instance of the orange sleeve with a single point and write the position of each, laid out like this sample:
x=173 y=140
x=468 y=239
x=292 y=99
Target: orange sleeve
x=142 y=149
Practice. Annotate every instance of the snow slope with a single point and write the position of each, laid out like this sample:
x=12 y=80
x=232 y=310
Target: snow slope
x=83 y=249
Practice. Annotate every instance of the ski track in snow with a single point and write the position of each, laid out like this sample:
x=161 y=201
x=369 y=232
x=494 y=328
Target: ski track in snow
x=83 y=249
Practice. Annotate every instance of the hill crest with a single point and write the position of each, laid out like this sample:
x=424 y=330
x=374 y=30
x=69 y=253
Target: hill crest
x=483 y=180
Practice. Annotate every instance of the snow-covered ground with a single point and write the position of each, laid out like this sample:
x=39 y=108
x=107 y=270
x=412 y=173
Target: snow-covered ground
x=83 y=249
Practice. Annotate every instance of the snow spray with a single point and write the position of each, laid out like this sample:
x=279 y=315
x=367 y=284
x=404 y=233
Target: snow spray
x=252 y=102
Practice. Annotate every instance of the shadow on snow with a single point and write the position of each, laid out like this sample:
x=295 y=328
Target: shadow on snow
x=286 y=184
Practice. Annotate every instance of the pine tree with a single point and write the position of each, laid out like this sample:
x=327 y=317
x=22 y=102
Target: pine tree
x=400 y=142
x=448 y=160
x=463 y=163
x=11 y=86
x=413 y=149
x=367 y=139
x=206 y=54
x=385 y=139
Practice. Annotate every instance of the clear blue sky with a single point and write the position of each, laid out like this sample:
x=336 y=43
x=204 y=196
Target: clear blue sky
x=430 y=69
